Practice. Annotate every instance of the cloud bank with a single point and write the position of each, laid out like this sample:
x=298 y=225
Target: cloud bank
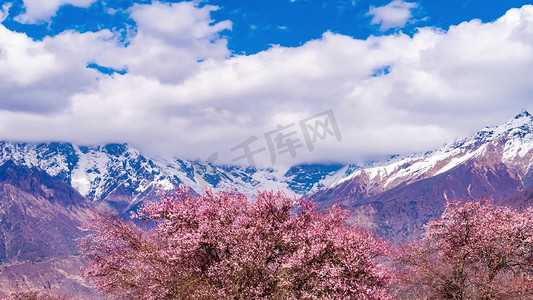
x=184 y=94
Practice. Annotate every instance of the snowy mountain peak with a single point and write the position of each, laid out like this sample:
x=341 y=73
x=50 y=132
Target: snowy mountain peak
x=522 y=122
x=511 y=143
x=519 y=127
x=523 y=113
x=120 y=174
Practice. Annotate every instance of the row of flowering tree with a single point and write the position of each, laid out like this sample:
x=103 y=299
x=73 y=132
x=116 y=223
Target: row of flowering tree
x=225 y=246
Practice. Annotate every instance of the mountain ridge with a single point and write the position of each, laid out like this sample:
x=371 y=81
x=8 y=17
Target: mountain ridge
x=396 y=199
x=122 y=176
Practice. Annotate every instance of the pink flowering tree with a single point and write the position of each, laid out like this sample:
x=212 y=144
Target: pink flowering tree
x=476 y=250
x=223 y=245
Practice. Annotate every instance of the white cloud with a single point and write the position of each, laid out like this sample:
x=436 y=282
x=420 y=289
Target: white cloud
x=393 y=15
x=4 y=11
x=41 y=10
x=43 y=75
x=170 y=40
x=168 y=103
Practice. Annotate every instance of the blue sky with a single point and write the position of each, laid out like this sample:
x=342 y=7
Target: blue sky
x=190 y=79
x=258 y=24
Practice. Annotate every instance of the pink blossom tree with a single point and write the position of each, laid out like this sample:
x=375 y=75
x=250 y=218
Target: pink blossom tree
x=476 y=250
x=223 y=245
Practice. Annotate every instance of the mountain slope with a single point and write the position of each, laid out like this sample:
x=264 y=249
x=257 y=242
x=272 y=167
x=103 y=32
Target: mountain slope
x=39 y=215
x=395 y=199
x=39 y=220
x=120 y=175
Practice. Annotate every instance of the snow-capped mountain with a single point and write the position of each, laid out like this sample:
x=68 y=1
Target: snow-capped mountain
x=494 y=162
x=122 y=176
x=398 y=196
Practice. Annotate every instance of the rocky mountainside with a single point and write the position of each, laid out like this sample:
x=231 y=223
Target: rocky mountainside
x=397 y=197
x=39 y=220
x=39 y=215
x=120 y=175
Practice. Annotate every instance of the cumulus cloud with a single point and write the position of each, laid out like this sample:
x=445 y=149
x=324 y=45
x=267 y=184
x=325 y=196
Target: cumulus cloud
x=393 y=15
x=170 y=40
x=41 y=10
x=41 y=76
x=184 y=95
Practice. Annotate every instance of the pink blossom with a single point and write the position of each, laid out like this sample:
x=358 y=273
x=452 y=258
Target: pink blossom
x=476 y=250
x=223 y=245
